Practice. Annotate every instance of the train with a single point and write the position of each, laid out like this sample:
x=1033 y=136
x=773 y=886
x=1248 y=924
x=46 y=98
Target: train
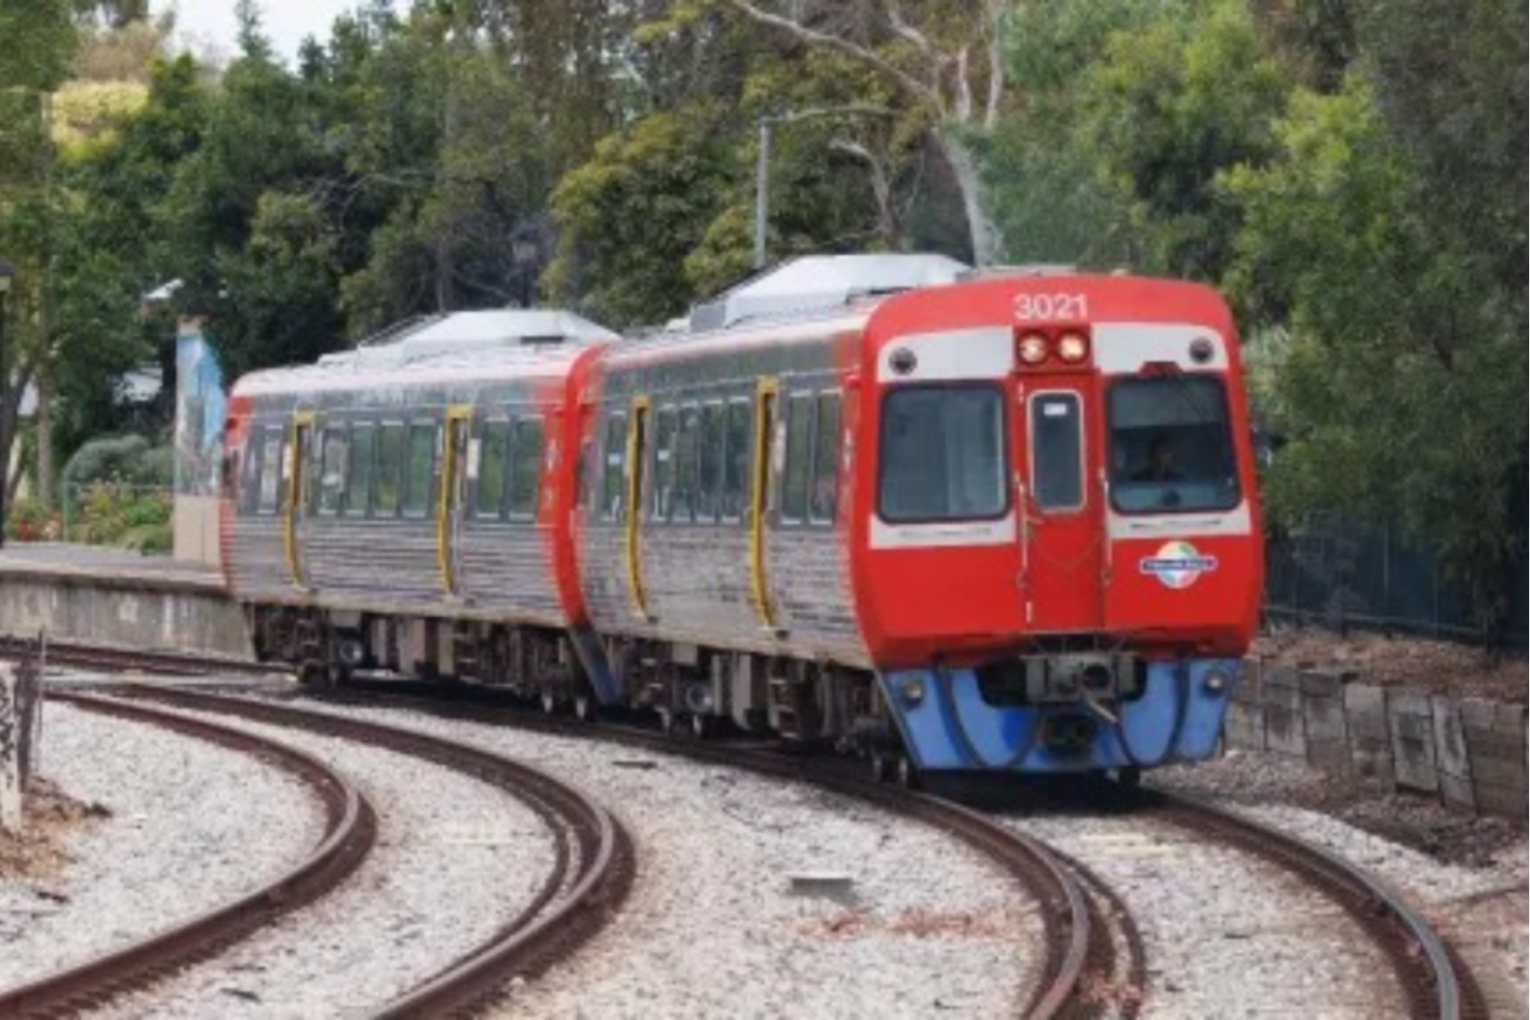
x=952 y=521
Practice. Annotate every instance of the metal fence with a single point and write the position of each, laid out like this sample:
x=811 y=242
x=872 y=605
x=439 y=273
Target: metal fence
x=1340 y=574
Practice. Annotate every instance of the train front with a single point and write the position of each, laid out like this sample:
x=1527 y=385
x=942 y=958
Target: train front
x=1057 y=552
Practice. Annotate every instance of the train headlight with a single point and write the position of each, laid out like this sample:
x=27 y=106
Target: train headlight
x=1033 y=348
x=1216 y=682
x=913 y=690
x=1072 y=347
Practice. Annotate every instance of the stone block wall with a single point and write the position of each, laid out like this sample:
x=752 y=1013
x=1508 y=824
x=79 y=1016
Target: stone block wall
x=1469 y=752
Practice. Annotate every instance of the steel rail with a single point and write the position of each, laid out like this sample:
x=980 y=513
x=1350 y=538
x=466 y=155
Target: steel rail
x=1435 y=980
x=593 y=872
x=1078 y=959
x=349 y=834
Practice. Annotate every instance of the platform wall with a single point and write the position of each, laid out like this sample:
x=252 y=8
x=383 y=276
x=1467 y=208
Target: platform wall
x=128 y=612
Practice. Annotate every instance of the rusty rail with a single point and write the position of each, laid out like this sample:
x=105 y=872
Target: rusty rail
x=349 y=833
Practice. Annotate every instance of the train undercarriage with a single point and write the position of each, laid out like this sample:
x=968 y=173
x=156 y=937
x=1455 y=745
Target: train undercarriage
x=1042 y=714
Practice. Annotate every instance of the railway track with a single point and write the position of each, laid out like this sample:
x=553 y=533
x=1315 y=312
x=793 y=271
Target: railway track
x=591 y=874
x=1433 y=977
x=1093 y=954
x=121 y=660
x=349 y=834
x=1093 y=948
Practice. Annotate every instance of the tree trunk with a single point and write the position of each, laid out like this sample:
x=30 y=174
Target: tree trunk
x=969 y=181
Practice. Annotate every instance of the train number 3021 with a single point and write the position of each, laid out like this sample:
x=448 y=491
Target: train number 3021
x=1030 y=307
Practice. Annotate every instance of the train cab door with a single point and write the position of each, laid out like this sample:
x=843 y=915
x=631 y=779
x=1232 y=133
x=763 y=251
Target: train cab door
x=451 y=512
x=767 y=398
x=1060 y=512
x=297 y=477
x=632 y=504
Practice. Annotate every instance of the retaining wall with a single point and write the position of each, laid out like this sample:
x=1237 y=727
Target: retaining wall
x=1469 y=752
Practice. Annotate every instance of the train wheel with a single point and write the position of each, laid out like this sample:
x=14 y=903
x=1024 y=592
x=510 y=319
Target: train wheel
x=881 y=765
x=1128 y=777
x=549 y=701
x=908 y=773
x=584 y=708
x=703 y=727
x=667 y=719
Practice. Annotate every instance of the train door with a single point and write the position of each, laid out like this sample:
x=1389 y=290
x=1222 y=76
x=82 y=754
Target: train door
x=766 y=413
x=297 y=472
x=637 y=458
x=450 y=513
x=1060 y=513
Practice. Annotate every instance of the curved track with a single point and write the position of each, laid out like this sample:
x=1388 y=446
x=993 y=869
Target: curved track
x=1436 y=982
x=592 y=872
x=1086 y=927
x=349 y=833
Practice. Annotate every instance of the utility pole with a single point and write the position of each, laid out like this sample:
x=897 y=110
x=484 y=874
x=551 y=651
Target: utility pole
x=762 y=167
x=761 y=198
x=7 y=273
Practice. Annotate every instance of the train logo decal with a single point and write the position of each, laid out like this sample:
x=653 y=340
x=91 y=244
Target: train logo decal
x=1178 y=564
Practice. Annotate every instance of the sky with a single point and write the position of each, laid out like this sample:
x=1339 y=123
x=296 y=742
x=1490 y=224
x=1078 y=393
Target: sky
x=209 y=24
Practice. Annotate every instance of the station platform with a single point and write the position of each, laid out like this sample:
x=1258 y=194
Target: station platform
x=116 y=597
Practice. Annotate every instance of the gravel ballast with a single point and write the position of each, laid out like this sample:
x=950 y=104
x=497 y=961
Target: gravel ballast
x=713 y=927
x=1468 y=875
x=455 y=860
x=1226 y=934
x=189 y=825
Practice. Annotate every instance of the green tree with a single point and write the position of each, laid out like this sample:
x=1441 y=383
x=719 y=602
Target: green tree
x=1402 y=390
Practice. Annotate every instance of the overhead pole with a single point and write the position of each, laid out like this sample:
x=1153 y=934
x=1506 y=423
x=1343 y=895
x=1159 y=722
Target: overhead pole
x=761 y=194
x=7 y=272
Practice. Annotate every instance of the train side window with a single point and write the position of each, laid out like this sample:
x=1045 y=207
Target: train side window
x=616 y=455
x=735 y=480
x=493 y=453
x=358 y=490
x=249 y=473
x=713 y=444
x=336 y=444
x=583 y=472
x=525 y=466
x=799 y=446
x=271 y=470
x=687 y=442
x=421 y=468
x=390 y=468
x=663 y=465
x=826 y=440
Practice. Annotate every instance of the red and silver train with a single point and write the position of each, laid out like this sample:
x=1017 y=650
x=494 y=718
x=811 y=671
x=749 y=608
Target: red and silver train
x=956 y=522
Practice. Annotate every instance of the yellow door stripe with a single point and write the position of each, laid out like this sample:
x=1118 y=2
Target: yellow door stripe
x=637 y=425
x=765 y=396
x=295 y=494
x=457 y=418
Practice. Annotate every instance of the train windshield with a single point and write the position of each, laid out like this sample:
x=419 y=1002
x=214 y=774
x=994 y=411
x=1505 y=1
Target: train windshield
x=1171 y=445
x=942 y=454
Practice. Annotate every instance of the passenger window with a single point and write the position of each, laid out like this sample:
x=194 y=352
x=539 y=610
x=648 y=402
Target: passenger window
x=390 y=468
x=686 y=444
x=421 y=468
x=358 y=497
x=271 y=470
x=616 y=456
x=735 y=481
x=799 y=437
x=663 y=465
x=336 y=444
x=712 y=448
x=249 y=474
x=826 y=460
x=493 y=452
x=525 y=464
x=583 y=473
x=1057 y=458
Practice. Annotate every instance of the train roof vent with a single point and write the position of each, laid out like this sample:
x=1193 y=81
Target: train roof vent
x=471 y=332
x=821 y=282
